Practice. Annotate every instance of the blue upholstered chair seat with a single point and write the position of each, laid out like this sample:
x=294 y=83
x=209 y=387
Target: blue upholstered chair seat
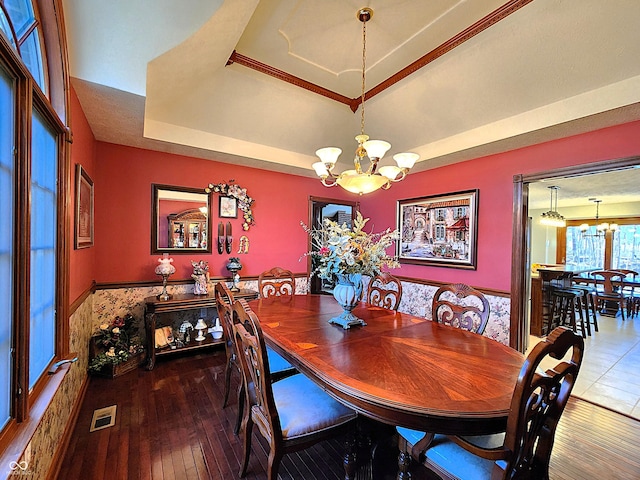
x=304 y=407
x=454 y=459
x=276 y=362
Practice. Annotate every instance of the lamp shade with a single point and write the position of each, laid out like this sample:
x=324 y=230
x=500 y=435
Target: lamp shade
x=329 y=155
x=390 y=171
x=406 y=159
x=376 y=148
x=321 y=169
x=361 y=184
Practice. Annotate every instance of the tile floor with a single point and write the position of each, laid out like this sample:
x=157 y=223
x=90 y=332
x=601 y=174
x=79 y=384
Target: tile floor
x=610 y=372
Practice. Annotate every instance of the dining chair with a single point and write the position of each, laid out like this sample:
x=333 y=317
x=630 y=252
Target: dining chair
x=461 y=306
x=291 y=414
x=523 y=450
x=280 y=367
x=276 y=282
x=608 y=289
x=631 y=296
x=384 y=291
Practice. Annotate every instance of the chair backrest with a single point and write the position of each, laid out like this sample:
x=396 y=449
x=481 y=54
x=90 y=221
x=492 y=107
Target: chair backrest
x=384 y=291
x=224 y=301
x=276 y=282
x=538 y=402
x=461 y=306
x=605 y=278
x=252 y=353
x=628 y=275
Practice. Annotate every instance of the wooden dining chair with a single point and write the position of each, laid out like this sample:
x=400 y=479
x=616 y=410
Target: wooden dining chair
x=384 y=291
x=280 y=367
x=291 y=414
x=607 y=291
x=461 y=306
x=276 y=282
x=523 y=450
x=631 y=296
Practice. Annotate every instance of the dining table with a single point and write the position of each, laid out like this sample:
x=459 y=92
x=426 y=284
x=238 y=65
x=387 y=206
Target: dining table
x=399 y=369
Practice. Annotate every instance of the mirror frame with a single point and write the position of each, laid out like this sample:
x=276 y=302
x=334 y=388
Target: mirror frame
x=154 y=219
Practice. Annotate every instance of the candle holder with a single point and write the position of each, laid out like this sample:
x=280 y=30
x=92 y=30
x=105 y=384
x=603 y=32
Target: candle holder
x=165 y=269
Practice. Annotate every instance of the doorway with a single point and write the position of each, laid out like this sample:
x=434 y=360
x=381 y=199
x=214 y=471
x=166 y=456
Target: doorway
x=320 y=208
x=521 y=232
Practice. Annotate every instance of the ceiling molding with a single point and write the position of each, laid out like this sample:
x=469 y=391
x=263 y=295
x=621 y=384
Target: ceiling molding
x=353 y=103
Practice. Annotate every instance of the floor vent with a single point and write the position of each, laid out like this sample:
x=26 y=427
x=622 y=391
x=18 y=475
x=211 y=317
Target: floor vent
x=103 y=418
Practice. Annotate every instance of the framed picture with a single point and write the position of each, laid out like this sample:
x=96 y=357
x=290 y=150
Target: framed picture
x=440 y=230
x=228 y=207
x=84 y=209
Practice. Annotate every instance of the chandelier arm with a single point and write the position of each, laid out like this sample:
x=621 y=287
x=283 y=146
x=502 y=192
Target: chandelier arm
x=333 y=182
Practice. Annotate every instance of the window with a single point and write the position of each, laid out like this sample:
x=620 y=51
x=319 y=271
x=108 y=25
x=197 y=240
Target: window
x=33 y=175
x=618 y=250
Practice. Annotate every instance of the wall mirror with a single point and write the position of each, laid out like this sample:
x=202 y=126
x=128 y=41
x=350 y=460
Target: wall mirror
x=180 y=220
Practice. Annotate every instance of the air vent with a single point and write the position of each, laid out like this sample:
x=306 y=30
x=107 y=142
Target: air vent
x=103 y=418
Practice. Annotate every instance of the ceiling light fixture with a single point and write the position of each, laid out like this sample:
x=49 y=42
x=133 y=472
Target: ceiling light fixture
x=601 y=228
x=552 y=218
x=357 y=180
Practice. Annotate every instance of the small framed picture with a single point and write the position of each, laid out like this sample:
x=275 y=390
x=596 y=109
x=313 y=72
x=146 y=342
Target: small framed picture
x=228 y=207
x=84 y=209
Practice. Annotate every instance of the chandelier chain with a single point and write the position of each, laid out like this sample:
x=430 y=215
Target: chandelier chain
x=364 y=56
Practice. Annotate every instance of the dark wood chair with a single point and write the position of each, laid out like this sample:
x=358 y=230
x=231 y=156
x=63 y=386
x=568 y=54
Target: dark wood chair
x=461 y=306
x=291 y=414
x=384 y=291
x=276 y=282
x=524 y=449
x=280 y=367
x=631 y=296
x=607 y=291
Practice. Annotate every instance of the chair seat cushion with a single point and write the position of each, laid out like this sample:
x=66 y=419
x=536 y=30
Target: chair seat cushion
x=454 y=459
x=305 y=408
x=276 y=362
x=457 y=461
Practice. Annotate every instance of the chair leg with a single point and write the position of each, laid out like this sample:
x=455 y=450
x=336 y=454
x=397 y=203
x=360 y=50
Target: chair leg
x=247 y=431
x=274 y=464
x=582 y=306
x=227 y=382
x=594 y=310
x=236 y=429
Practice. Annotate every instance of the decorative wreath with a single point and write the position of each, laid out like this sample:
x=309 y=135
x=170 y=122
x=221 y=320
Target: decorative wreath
x=229 y=189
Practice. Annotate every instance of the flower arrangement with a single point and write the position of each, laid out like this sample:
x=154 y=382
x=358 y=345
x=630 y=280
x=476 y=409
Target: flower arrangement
x=341 y=250
x=240 y=194
x=115 y=343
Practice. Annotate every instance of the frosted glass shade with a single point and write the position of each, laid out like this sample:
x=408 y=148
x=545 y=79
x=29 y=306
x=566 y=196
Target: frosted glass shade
x=362 y=183
x=406 y=159
x=329 y=154
x=390 y=171
x=321 y=169
x=376 y=148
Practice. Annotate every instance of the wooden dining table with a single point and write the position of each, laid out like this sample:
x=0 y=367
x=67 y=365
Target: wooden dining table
x=399 y=369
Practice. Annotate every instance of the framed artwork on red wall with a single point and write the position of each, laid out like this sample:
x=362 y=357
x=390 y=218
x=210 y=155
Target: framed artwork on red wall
x=439 y=230
x=84 y=209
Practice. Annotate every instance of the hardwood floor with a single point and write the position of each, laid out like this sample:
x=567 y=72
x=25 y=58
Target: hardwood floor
x=170 y=425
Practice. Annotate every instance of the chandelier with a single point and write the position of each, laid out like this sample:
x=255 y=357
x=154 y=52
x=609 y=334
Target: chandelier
x=357 y=180
x=601 y=228
x=552 y=218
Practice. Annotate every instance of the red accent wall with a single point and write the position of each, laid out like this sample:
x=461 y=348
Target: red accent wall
x=493 y=176
x=81 y=262
x=123 y=196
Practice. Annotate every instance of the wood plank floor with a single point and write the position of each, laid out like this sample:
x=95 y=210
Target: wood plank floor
x=170 y=425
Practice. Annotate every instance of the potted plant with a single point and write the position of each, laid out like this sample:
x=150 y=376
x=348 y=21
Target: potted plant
x=116 y=348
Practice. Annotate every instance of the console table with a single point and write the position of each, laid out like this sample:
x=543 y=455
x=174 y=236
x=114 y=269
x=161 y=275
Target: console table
x=179 y=303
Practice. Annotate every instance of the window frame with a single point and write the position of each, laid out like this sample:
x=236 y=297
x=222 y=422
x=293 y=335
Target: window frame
x=27 y=407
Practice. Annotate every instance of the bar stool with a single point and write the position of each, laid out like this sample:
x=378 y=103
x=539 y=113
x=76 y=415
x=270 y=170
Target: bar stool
x=588 y=295
x=565 y=304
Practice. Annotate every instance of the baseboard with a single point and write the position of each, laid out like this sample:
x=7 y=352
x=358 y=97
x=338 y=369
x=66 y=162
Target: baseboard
x=63 y=445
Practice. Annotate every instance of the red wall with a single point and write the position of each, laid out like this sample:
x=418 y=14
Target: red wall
x=123 y=213
x=81 y=262
x=493 y=176
x=123 y=178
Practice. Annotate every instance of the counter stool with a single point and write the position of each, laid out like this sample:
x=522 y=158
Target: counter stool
x=588 y=296
x=565 y=303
